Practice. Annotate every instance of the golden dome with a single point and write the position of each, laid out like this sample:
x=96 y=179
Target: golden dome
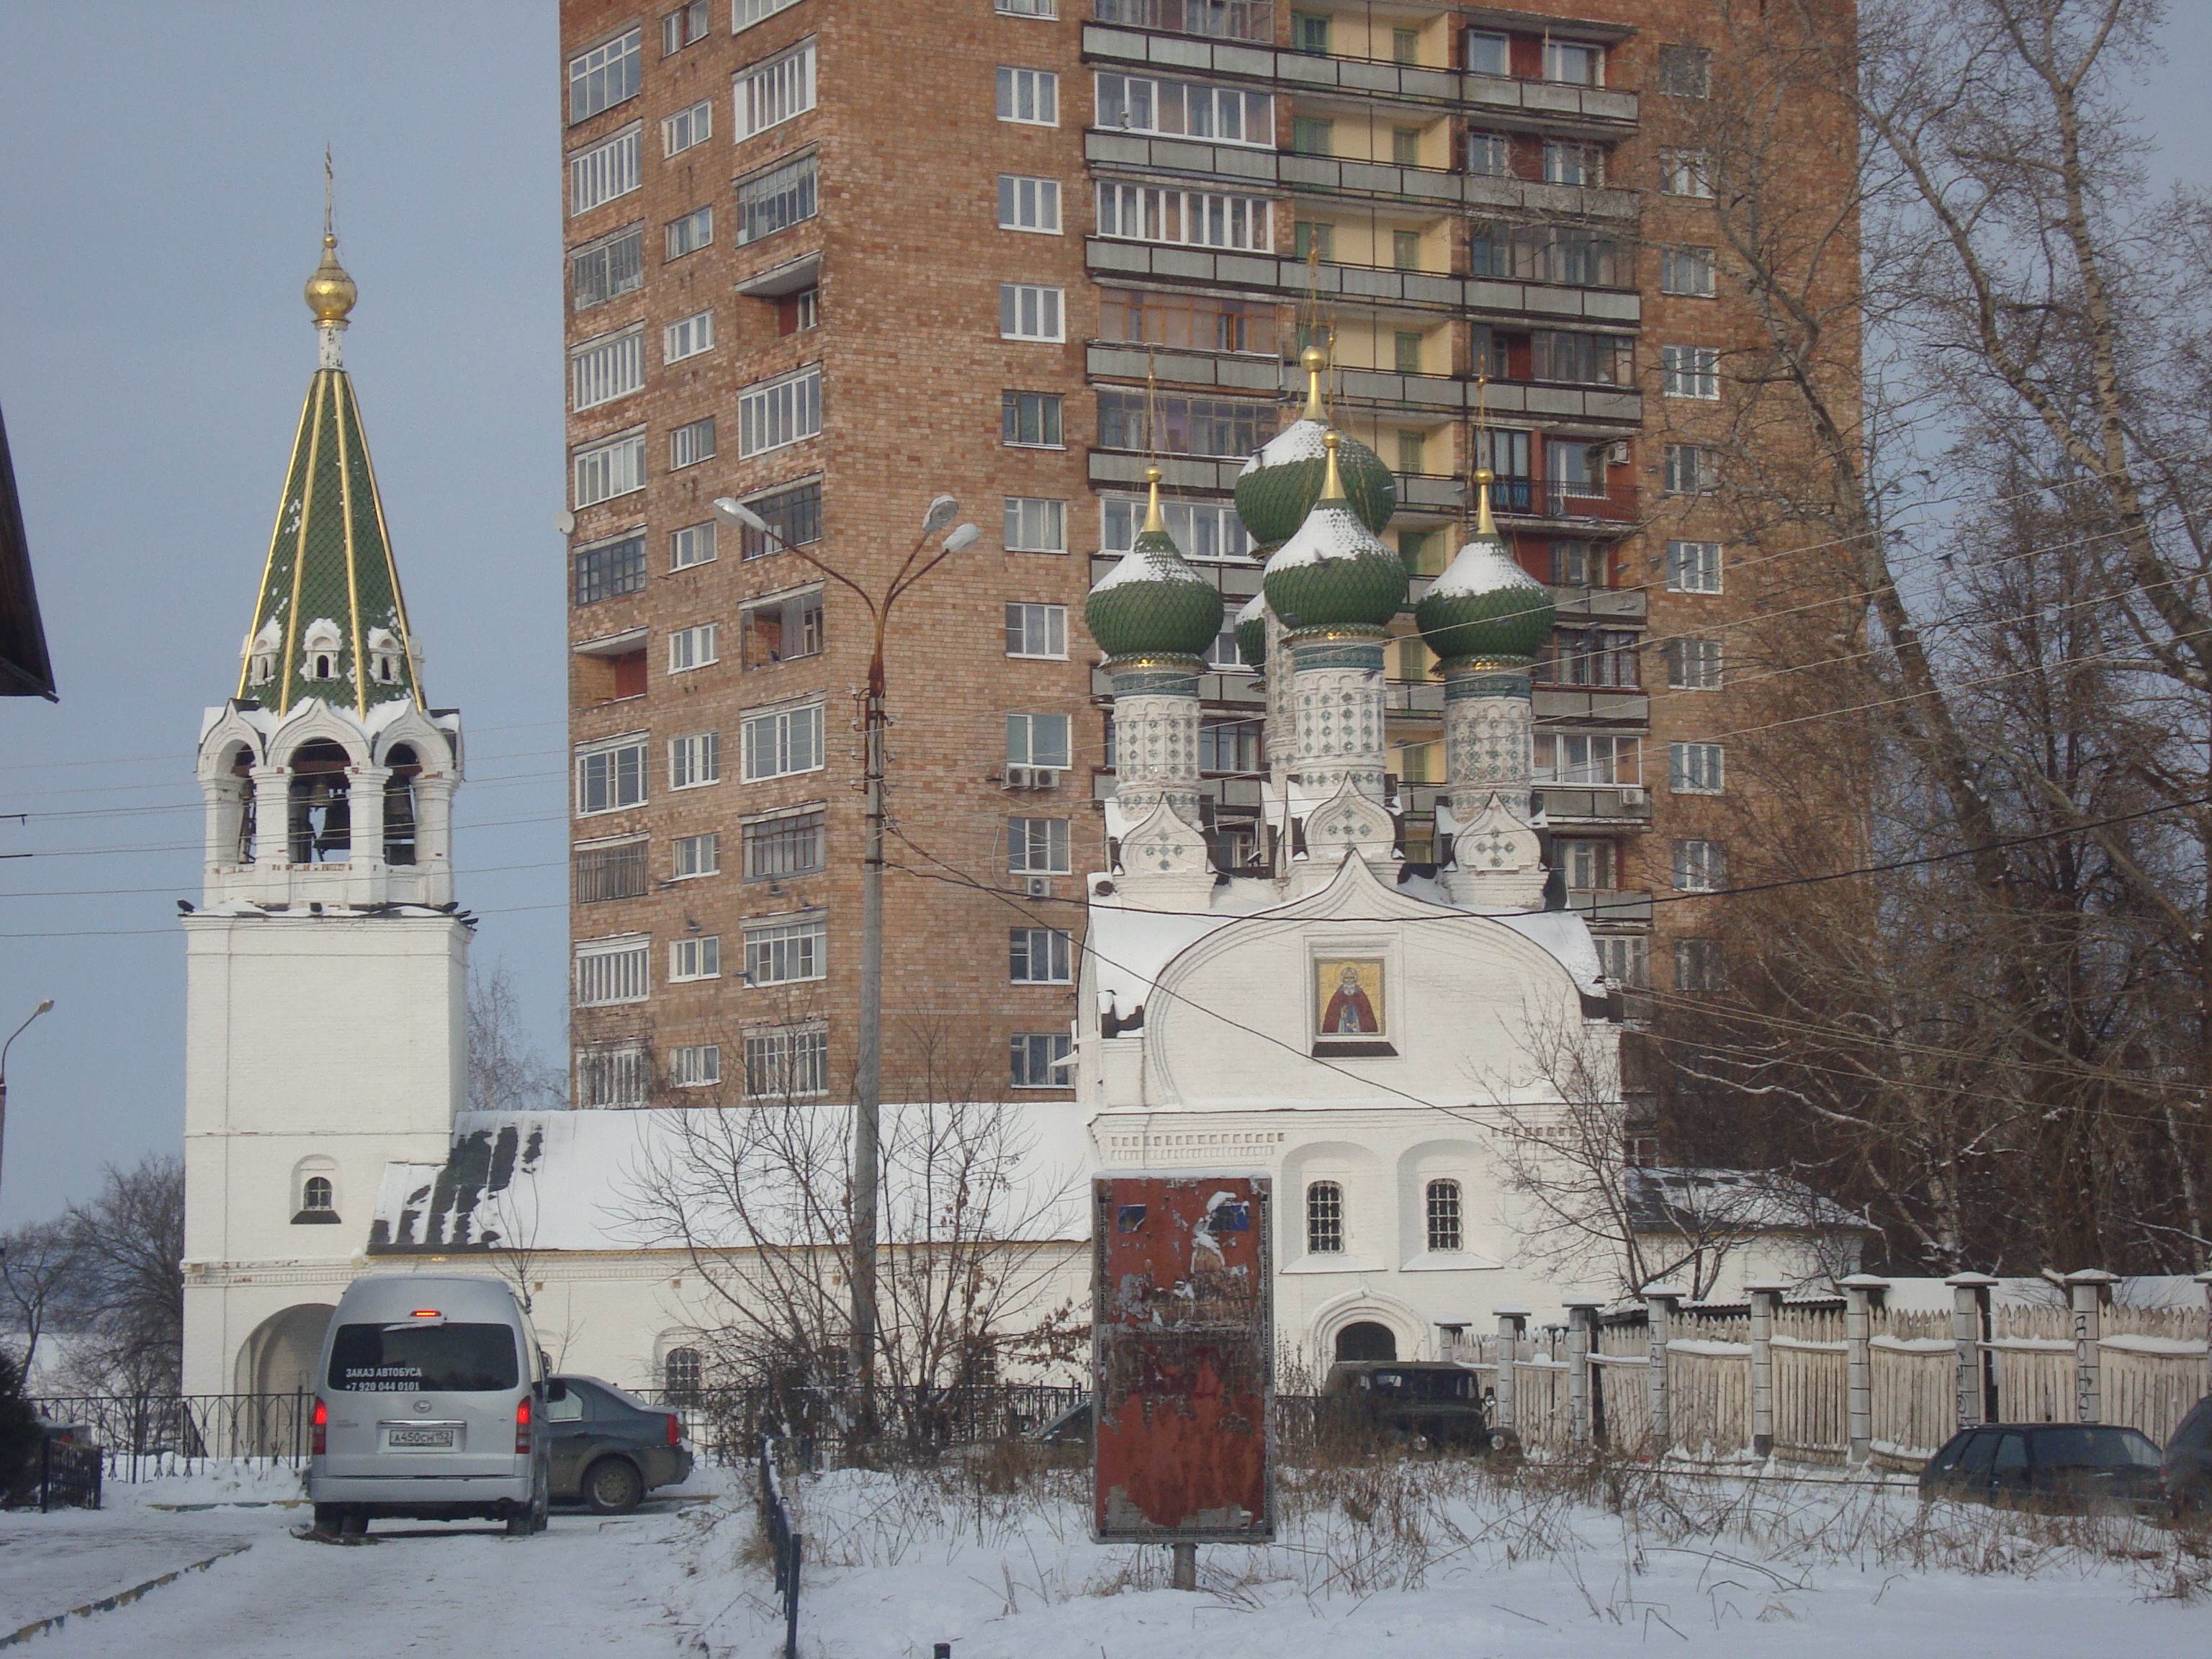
x=330 y=291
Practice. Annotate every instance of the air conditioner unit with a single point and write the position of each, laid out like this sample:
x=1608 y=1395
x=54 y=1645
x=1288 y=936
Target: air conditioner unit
x=1631 y=795
x=1044 y=777
x=1037 y=886
x=1619 y=453
x=1021 y=777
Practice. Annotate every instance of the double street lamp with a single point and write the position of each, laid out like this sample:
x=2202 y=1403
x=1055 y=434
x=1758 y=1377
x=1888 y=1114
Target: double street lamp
x=45 y=1007
x=867 y=1083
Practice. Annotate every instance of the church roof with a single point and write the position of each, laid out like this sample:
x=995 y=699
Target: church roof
x=1153 y=603
x=330 y=573
x=26 y=670
x=1279 y=485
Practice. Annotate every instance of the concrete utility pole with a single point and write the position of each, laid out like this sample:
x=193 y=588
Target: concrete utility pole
x=868 y=1062
x=44 y=1007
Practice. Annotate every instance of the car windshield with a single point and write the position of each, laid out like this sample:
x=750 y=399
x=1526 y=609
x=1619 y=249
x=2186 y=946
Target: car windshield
x=2095 y=1448
x=1428 y=1385
x=423 y=1359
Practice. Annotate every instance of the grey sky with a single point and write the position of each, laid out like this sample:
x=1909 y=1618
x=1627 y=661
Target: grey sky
x=158 y=213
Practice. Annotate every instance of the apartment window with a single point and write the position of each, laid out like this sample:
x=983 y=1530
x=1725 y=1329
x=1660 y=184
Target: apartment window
x=1313 y=239
x=1203 y=530
x=1200 y=322
x=1418 y=551
x=694 y=648
x=694 y=231
x=1040 y=1059
x=1153 y=213
x=1406 y=250
x=606 y=170
x=1040 y=955
x=698 y=956
x=1027 y=312
x=1037 y=740
x=1313 y=135
x=1490 y=154
x=1693 y=567
x=1571 y=758
x=782 y=741
x=1026 y=204
x=778 y=199
x=1506 y=453
x=773 y=92
x=1309 y=31
x=794 y=516
x=1229 y=745
x=744 y=14
x=687 y=338
x=1030 y=419
x=1027 y=8
x=1582 y=358
x=1686 y=271
x=1036 y=525
x=610 y=872
x=697 y=855
x=1324 y=1219
x=696 y=1065
x=787 y=1065
x=1405 y=146
x=1444 y=1231
x=688 y=127
x=1037 y=846
x=1699 y=866
x=606 y=75
x=1223 y=656
x=1697 y=965
x=1183 y=426
x=1685 y=173
x=1407 y=351
x=1405 y=45
x=1575 y=468
x=1685 y=71
x=1689 y=470
x=601 y=370
x=610 y=569
x=682 y=26
x=694 y=760
x=1037 y=630
x=785 y=844
x=779 y=412
x=1625 y=959
x=693 y=544
x=1138 y=103
x=691 y=443
x=1574 y=62
x=781 y=629
x=1587 y=864
x=1030 y=97
x=1690 y=371
x=608 y=269
x=612 y=468
x=1489 y=54
x=1567 y=163
x=614 y=970
x=611 y=776
x=1693 y=664
x=1411 y=445
x=613 y=1077
x=1576 y=563
x=1594 y=656
x=1694 y=768
x=782 y=952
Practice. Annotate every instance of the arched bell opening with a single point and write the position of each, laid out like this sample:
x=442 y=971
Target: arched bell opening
x=236 y=819
x=400 y=839
x=321 y=820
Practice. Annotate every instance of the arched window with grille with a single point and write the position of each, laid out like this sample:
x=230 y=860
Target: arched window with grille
x=1325 y=1219
x=1444 y=1228
x=681 y=1373
x=315 y=1191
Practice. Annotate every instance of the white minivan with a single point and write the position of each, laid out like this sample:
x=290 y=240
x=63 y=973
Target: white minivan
x=427 y=1405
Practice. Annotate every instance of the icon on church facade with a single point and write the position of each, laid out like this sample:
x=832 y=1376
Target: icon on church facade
x=1348 y=998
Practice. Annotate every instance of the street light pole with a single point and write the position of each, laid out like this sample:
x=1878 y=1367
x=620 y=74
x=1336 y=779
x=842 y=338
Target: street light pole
x=44 y=1007
x=868 y=1066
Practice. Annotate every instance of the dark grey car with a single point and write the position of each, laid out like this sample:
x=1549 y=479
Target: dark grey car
x=2072 y=1467
x=2187 y=1467
x=609 y=1448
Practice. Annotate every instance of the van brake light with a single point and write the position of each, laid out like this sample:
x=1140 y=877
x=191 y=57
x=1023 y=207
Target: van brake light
x=319 y=1444
x=522 y=1424
x=425 y=1313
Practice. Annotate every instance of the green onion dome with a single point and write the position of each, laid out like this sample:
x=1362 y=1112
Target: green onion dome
x=1153 y=604
x=1252 y=634
x=1279 y=485
x=1486 y=608
x=1333 y=571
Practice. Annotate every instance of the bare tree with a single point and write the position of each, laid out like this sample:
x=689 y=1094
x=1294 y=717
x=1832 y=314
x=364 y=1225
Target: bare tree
x=506 y=1071
x=126 y=1285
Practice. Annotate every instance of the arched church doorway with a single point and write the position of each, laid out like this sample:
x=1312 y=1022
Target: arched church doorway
x=277 y=1364
x=1365 y=1339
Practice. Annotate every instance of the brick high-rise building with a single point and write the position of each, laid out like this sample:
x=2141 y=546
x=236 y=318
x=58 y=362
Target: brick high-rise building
x=833 y=257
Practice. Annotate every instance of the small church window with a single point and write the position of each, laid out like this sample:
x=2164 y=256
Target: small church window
x=320 y=646
x=681 y=1374
x=1325 y=1219
x=385 y=656
x=1444 y=1232
x=316 y=1193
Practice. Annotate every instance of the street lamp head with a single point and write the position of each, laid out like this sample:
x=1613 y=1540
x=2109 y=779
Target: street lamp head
x=961 y=538
x=941 y=509
x=736 y=514
x=46 y=1007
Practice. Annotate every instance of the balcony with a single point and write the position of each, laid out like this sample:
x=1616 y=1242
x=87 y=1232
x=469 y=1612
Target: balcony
x=1599 y=604
x=1587 y=704
x=1606 y=905
x=1217 y=20
x=1239 y=371
x=1153 y=152
x=1626 y=806
x=1551 y=102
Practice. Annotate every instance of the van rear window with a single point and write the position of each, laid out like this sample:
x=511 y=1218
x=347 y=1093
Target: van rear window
x=423 y=1359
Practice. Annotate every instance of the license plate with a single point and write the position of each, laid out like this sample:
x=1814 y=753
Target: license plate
x=420 y=1438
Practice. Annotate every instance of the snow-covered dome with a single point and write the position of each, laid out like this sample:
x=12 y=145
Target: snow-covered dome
x=1252 y=633
x=1485 y=607
x=1334 y=572
x=1279 y=485
x=1153 y=604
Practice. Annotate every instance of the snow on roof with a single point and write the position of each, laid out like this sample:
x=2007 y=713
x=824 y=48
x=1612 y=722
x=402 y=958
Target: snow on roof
x=1756 y=1200
x=1332 y=530
x=1483 y=566
x=1301 y=440
x=1252 y=609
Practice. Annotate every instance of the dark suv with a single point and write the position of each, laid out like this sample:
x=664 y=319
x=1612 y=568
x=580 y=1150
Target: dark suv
x=1424 y=1405
x=608 y=1447
x=2074 y=1467
x=2187 y=1469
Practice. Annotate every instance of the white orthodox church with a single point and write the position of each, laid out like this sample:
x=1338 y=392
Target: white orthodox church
x=1358 y=1030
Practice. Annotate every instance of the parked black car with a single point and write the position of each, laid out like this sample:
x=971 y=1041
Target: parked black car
x=608 y=1447
x=2186 y=1469
x=1424 y=1405
x=2073 y=1466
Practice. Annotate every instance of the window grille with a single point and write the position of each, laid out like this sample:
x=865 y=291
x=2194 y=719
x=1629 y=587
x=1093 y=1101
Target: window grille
x=606 y=170
x=775 y=91
x=1325 y=1219
x=610 y=569
x=791 y=845
x=775 y=200
x=613 y=1077
x=612 y=973
x=602 y=370
x=779 y=1065
x=610 y=872
x=1445 y=1230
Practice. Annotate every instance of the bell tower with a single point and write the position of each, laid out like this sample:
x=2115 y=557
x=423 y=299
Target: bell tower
x=326 y=966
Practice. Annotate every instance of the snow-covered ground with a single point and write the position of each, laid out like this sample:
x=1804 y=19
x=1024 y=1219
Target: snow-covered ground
x=1439 y=1557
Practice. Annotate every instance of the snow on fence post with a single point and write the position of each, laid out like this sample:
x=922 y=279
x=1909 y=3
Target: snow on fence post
x=2089 y=1289
x=1581 y=1321
x=1660 y=1303
x=1863 y=1293
x=1511 y=1323
x=1765 y=1298
x=1977 y=1377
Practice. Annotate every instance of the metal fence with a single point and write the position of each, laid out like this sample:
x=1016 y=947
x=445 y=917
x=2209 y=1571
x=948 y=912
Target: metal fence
x=147 y=1434
x=786 y=1547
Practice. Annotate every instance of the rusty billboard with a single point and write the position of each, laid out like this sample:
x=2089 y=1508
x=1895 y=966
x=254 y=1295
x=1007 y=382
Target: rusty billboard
x=1182 y=1351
